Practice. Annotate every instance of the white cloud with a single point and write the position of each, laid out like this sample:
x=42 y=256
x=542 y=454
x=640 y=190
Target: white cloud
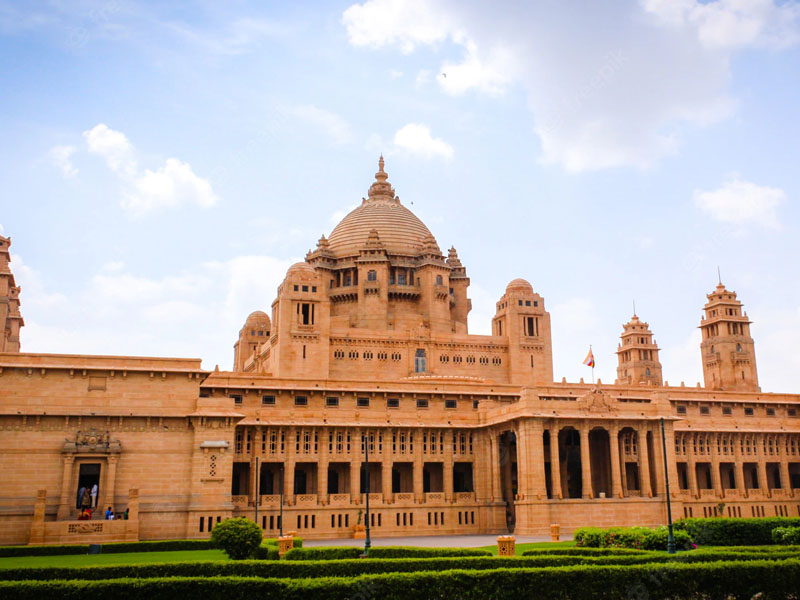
x=333 y=125
x=113 y=146
x=169 y=186
x=620 y=97
x=416 y=139
x=682 y=361
x=61 y=156
x=741 y=202
x=423 y=77
x=120 y=312
x=172 y=185
x=732 y=23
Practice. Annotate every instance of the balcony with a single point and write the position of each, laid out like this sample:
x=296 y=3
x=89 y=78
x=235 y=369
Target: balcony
x=306 y=500
x=343 y=293
x=465 y=497
x=707 y=494
x=239 y=501
x=271 y=500
x=400 y=290
x=434 y=497
x=374 y=498
x=404 y=497
x=339 y=499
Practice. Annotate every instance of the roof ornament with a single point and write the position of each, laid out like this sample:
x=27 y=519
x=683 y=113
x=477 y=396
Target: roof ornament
x=381 y=189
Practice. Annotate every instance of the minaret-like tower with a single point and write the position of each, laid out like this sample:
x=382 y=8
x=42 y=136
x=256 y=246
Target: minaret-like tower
x=729 y=355
x=638 y=355
x=10 y=317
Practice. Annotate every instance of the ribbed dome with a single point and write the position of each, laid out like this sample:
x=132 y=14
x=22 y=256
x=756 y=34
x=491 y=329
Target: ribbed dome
x=519 y=285
x=399 y=230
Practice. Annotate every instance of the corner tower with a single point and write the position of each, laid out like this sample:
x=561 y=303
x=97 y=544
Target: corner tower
x=638 y=355
x=253 y=334
x=10 y=317
x=728 y=351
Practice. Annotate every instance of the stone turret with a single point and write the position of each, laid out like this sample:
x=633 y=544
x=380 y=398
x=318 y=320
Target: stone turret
x=10 y=317
x=638 y=355
x=728 y=351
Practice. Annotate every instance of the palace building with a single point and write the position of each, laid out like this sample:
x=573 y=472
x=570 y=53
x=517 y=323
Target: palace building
x=362 y=382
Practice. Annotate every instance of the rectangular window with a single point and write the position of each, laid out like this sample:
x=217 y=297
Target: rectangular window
x=363 y=402
x=770 y=412
x=268 y=400
x=301 y=400
x=237 y=399
x=704 y=410
x=305 y=288
x=727 y=411
x=792 y=412
x=393 y=403
x=681 y=410
x=475 y=404
x=422 y=403
x=748 y=411
x=331 y=401
x=451 y=403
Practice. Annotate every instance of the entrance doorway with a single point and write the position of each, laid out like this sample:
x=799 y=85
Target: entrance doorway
x=88 y=477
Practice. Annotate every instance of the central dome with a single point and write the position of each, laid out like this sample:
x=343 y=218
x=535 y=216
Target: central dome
x=399 y=230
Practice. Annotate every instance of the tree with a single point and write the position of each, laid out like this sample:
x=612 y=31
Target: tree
x=239 y=537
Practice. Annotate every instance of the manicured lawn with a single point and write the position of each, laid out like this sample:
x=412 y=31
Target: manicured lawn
x=82 y=560
x=536 y=545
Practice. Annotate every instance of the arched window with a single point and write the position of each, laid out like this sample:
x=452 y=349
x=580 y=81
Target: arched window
x=419 y=361
x=439 y=280
x=372 y=276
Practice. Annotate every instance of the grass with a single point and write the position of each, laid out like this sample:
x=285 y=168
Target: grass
x=127 y=558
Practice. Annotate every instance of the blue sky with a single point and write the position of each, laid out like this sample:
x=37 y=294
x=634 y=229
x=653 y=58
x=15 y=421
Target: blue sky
x=163 y=165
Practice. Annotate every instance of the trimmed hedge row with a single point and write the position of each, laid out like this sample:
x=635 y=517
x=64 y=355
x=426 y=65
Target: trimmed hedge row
x=324 y=553
x=642 y=538
x=115 y=548
x=567 y=551
x=298 y=542
x=410 y=552
x=723 y=531
x=356 y=567
x=675 y=581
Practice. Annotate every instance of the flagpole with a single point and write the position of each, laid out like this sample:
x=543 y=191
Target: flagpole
x=592 y=353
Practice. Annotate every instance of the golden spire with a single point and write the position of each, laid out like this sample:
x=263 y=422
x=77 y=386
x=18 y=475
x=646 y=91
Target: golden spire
x=381 y=188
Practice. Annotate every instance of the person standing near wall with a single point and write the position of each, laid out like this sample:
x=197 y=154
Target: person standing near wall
x=94 y=496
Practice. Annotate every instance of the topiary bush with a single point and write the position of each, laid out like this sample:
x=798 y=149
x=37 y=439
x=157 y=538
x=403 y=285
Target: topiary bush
x=240 y=538
x=786 y=535
x=638 y=538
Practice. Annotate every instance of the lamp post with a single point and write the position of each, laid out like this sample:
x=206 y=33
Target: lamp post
x=257 y=495
x=280 y=514
x=367 y=541
x=671 y=536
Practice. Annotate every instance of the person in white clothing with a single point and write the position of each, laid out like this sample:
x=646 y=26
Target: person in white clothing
x=94 y=496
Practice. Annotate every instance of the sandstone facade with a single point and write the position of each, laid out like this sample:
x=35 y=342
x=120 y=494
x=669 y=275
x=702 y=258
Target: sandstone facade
x=365 y=381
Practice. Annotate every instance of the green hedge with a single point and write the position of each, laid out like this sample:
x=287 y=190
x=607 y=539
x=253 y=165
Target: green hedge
x=641 y=538
x=734 y=532
x=324 y=553
x=410 y=552
x=298 y=542
x=115 y=548
x=786 y=535
x=356 y=567
x=267 y=552
x=566 y=551
x=738 y=580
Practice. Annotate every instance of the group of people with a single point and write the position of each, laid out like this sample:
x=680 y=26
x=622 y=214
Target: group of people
x=87 y=502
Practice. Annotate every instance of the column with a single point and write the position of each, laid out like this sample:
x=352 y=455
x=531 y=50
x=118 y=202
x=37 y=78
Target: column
x=386 y=466
x=623 y=471
x=715 y=478
x=322 y=467
x=288 y=467
x=783 y=455
x=524 y=483
x=658 y=461
x=691 y=465
x=763 y=484
x=672 y=462
x=419 y=494
x=586 y=465
x=252 y=492
x=616 y=480
x=68 y=498
x=355 y=466
x=555 y=464
x=111 y=481
x=447 y=467
x=738 y=467
x=537 y=459
x=494 y=442
x=644 y=462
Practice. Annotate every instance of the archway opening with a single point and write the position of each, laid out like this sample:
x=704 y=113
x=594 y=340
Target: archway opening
x=600 y=453
x=569 y=454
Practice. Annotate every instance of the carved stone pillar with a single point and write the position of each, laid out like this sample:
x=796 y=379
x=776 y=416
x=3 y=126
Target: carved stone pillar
x=613 y=443
x=716 y=482
x=419 y=494
x=288 y=467
x=786 y=481
x=355 y=467
x=111 y=481
x=644 y=462
x=386 y=466
x=67 y=498
x=555 y=464
x=494 y=442
x=586 y=465
x=447 y=467
x=738 y=467
x=763 y=483
x=691 y=464
x=322 y=467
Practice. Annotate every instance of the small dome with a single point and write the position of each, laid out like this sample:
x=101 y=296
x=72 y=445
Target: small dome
x=519 y=286
x=258 y=316
x=301 y=267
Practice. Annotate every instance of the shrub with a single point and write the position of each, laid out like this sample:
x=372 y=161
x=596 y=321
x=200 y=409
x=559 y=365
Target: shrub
x=409 y=552
x=786 y=535
x=565 y=551
x=640 y=538
x=266 y=552
x=323 y=553
x=239 y=537
x=734 y=532
x=674 y=581
x=154 y=546
x=298 y=542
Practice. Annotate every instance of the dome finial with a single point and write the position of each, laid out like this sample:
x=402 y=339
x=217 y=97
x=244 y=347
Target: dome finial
x=381 y=188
